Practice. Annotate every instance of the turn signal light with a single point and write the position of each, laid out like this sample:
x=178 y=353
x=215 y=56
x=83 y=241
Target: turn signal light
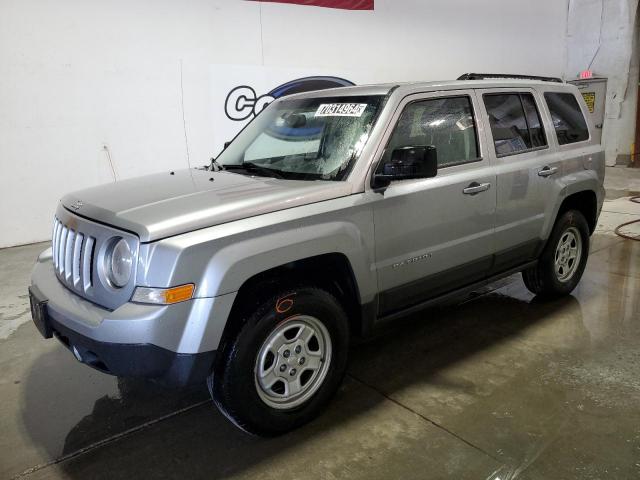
x=163 y=296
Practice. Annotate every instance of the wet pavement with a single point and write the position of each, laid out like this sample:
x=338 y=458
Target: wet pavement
x=501 y=385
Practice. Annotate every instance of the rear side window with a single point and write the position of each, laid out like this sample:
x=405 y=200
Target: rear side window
x=515 y=122
x=567 y=117
x=536 y=131
x=445 y=123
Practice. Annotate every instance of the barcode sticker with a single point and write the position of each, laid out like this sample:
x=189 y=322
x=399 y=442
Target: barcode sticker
x=341 y=110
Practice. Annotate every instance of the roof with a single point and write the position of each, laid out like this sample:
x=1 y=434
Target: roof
x=410 y=87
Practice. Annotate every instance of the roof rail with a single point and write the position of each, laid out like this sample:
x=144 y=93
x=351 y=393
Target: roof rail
x=485 y=76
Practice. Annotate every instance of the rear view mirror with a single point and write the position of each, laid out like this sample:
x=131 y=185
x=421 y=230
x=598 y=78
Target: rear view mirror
x=295 y=121
x=407 y=162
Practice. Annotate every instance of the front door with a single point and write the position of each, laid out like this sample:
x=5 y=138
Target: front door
x=433 y=235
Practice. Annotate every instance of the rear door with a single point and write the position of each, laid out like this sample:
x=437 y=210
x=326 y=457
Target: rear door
x=433 y=235
x=526 y=165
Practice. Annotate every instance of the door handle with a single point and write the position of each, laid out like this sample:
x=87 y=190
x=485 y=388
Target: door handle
x=547 y=171
x=598 y=125
x=475 y=187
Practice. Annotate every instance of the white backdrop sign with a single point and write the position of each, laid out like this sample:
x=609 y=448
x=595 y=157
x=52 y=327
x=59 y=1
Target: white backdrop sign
x=239 y=92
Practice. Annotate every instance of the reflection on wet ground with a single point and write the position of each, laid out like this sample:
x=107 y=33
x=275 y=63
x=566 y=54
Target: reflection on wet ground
x=499 y=386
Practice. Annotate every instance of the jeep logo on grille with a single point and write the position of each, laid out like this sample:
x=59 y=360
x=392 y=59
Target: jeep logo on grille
x=76 y=205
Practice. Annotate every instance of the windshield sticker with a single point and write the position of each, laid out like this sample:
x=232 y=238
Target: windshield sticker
x=341 y=110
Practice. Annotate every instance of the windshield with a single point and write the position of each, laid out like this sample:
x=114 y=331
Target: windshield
x=304 y=139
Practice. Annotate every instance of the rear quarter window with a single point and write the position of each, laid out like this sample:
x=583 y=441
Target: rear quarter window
x=568 y=120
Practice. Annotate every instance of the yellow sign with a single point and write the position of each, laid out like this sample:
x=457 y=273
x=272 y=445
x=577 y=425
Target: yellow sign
x=590 y=100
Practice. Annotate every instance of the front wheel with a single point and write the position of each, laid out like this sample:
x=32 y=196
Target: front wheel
x=564 y=258
x=284 y=364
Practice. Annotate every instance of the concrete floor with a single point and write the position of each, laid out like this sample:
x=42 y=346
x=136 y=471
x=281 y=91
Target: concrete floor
x=499 y=386
x=622 y=181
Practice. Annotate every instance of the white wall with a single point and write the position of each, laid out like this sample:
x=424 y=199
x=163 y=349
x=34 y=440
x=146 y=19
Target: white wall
x=79 y=75
x=603 y=35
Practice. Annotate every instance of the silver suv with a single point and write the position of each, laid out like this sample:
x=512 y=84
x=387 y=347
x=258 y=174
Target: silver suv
x=330 y=213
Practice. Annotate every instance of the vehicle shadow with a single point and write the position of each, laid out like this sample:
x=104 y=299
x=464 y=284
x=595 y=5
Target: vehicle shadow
x=200 y=442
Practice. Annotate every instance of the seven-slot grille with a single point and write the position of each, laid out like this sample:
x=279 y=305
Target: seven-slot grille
x=73 y=256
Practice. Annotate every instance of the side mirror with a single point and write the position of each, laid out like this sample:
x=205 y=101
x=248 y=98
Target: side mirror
x=226 y=144
x=407 y=162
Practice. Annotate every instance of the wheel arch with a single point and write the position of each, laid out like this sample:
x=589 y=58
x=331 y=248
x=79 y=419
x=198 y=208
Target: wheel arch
x=584 y=201
x=330 y=271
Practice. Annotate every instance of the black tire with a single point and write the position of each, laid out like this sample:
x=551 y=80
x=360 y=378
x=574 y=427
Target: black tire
x=233 y=382
x=543 y=279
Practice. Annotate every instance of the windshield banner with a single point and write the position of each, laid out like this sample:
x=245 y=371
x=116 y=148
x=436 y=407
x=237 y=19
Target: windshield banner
x=341 y=109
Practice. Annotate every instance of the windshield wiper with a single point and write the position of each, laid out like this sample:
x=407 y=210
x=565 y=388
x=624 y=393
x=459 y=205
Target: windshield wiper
x=214 y=166
x=254 y=168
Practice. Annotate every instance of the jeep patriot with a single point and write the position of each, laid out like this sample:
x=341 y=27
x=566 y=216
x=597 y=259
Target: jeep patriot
x=328 y=214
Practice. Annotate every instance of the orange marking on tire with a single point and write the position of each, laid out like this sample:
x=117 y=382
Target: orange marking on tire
x=284 y=304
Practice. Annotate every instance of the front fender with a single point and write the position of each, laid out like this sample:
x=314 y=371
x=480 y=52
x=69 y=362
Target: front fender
x=232 y=265
x=220 y=259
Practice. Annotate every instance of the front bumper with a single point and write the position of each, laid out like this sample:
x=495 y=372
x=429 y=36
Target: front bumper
x=136 y=359
x=174 y=344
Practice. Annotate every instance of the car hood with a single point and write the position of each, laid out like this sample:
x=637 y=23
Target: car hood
x=162 y=205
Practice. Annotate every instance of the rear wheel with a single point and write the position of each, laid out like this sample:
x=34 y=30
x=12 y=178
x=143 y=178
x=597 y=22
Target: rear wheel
x=284 y=364
x=563 y=260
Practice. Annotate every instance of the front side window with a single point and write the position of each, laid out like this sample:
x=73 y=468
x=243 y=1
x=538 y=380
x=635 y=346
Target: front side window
x=445 y=123
x=515 y=122
x=305 y=139
x=567 y=117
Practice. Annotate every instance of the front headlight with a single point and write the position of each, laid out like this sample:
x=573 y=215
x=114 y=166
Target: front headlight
x=119 y=263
